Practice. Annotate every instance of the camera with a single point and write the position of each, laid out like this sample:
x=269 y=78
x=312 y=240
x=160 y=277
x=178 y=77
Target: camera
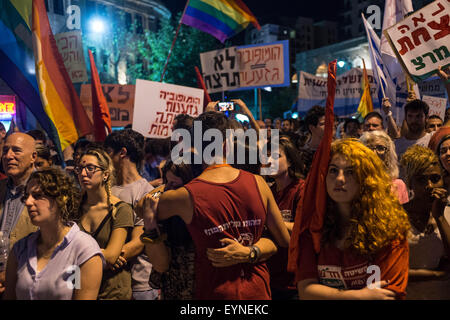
x=226 y=106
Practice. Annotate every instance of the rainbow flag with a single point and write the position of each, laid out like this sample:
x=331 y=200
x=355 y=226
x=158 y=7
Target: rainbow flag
x=59 y=98
x=220 y=18
x=17 y=65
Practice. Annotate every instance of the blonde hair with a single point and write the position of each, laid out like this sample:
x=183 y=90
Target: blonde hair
x=106 y=164
x=391 y=160
x=416 y=160
x=377 y=218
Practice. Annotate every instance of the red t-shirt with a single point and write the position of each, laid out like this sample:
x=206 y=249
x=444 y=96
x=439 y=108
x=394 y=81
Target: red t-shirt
x=287 y=200
x=233 y=210
x=343 y=269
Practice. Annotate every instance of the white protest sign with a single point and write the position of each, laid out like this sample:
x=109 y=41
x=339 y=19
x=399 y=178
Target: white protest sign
x=70 y=46
x=220 y=70
x=156 y=105
x=437 y=105
x=422 y=40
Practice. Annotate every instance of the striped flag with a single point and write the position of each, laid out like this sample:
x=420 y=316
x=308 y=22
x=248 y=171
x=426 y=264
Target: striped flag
x=59 y=98
x=220 y=18
x=100 y=110
x=17 y=65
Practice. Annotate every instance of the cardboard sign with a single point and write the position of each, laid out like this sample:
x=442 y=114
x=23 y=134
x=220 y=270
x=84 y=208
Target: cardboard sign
x=246 y=67
x=220 y=70
x=70 y=47
x=421 y=41
x=120 y=100
x=157 y=104
x=437 y=105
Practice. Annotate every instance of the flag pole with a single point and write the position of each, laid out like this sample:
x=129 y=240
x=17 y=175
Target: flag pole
x=173 y=42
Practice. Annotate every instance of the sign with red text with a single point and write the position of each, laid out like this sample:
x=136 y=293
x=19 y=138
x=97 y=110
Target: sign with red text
x=156 y=105
x=70 y=47
x=119 y=98
x=422 y=40
x=246 y=67
x=7 y=104
x=437 y=105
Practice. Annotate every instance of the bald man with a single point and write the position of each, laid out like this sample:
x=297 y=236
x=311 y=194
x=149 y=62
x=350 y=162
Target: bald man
x=18 y=157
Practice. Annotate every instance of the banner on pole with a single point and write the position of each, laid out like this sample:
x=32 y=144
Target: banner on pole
x=313 y=91
x=421 y=41
x=157 y=104
x=120 y=100
x=70 y=47
x=246 y=67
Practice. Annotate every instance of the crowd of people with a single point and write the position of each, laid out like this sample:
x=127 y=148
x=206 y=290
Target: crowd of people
x=123 y=220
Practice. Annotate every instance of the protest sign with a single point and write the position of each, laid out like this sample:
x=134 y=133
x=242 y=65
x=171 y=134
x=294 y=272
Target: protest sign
x=437 y=105
x=70 y=47
x=220 y=70
x=246 y=67
x=313 y=91
x=421 y=41
x=120 y=100
x=157 y=104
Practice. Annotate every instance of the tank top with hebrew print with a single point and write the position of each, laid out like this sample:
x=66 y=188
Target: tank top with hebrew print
x=231 y=210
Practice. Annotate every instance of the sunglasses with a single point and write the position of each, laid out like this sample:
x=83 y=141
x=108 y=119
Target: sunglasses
x=90 y=169
x=378 y=148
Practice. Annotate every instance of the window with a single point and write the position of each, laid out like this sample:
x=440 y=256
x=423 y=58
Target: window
x=58 y=7
x=128 y=20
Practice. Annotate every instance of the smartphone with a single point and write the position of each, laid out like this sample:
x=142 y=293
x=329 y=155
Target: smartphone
x=226 y=106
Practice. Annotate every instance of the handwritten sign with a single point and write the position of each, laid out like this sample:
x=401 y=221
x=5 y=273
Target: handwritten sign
x=157 y=104
x=422 y=40
x=220 y=70
x=120 y=100
x=246 y=67
x=437 y=105
x=70 y=47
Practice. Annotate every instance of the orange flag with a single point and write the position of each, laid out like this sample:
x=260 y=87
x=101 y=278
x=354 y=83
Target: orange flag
x=100 y=110
x=311 y=209
x=201 y=85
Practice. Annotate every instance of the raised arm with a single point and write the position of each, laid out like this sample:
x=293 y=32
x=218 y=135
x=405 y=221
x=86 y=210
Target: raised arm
x=248 y=113
x=393 y=129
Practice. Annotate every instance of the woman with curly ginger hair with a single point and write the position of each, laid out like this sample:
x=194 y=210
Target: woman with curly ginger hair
x=43 y=264
x=429 y=239
x=106 y=218
x=364 y=251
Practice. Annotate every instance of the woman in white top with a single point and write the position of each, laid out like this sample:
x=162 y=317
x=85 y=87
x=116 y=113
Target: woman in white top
x=57 y=262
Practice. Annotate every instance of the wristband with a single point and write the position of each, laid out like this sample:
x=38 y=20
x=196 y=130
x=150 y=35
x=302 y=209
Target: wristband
x=389 y=113
x=146 y=239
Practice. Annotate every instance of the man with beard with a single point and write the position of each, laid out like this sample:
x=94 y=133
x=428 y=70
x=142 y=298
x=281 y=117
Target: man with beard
x=416 y=113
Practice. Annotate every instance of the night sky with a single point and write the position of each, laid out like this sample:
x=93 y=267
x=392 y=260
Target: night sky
x=271 y=11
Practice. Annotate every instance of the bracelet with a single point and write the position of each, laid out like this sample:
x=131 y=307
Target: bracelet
x=159 y=239
x=389 y=114
x=255 y=254
x=152 y=233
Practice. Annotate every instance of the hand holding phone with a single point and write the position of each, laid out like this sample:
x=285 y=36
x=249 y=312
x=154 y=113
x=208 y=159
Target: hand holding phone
x=226 y=106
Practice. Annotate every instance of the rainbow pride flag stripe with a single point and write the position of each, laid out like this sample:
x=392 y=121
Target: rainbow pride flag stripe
x=220 y=18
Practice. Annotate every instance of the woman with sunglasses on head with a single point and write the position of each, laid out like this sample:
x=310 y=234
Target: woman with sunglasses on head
x=429 y=239
x=106 y=218
x=380 y=143
x=43 y=265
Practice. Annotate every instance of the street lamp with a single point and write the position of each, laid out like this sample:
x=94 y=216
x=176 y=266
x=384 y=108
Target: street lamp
x=97 y=25
x=341 y=64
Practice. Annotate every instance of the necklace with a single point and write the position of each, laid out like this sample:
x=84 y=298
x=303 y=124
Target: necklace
x=217 y=166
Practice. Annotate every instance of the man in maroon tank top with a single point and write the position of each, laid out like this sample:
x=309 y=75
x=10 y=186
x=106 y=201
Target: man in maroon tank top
x=228 y=207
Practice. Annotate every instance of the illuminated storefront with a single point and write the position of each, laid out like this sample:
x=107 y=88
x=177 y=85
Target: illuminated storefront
x=7 y=110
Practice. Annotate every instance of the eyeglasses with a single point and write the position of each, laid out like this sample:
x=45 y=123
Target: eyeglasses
x=90 y=169
x=378 y=148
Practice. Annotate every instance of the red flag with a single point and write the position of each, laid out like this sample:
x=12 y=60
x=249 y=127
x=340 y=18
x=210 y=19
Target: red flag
x=100 y=110
x=201 y=85
x=311 y=209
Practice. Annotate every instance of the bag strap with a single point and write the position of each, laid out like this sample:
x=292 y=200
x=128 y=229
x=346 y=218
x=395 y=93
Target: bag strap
x=105 y=219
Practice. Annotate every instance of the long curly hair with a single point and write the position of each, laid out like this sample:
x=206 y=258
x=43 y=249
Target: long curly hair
x=56 y=184
x=416 y=160
x=377 y=218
